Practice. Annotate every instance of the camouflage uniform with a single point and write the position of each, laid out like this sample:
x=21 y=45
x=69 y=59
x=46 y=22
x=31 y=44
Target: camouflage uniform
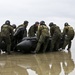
x=68 y=33
x=56 y=35
x=6 y=33
x=42 y=35
x=32 y=31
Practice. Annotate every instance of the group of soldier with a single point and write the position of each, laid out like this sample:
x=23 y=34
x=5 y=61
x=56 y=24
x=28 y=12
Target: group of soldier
x=41 y=31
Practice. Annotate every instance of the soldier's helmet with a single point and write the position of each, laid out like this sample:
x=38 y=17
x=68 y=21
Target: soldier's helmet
x=37 y=22
x=7 y=22
x=51 y=24
x=66 y=24
x=26 y=22
x=14 y=26
x=42 y=22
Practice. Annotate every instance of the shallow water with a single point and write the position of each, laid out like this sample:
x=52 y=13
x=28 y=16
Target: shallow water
x=52 y=63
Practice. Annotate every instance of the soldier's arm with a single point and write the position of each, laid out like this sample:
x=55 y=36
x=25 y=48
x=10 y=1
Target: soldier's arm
x=51 y=31
x=38 y=32
x=65 y=30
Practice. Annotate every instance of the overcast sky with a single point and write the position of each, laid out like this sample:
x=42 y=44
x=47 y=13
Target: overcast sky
x=57 y=11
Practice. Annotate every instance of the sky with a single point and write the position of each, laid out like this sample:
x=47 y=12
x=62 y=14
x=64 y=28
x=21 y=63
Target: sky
x=57 y=11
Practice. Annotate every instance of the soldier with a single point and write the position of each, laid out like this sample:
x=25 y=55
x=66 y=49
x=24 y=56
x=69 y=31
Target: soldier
x=42 y=36
x=55 y=35
x=24 y=25
x=68 y=34
x=6 y=34
x=21 y=31
x=33 y=29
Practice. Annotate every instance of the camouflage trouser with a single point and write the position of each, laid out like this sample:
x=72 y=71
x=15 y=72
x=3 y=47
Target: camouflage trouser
x=55 y=42
x=7 y=41
x=43 y=40
x=67 y=41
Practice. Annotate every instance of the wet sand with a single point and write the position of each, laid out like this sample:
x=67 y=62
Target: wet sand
x=52 y=63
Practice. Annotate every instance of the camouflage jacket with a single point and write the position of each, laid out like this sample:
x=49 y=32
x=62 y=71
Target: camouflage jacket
x=6 y=30
x=69 y=31
x=42 y=30
x=32 y=31
x=55 y=30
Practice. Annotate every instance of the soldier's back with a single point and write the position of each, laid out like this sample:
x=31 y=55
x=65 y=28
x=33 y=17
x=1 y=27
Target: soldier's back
x=6 y=30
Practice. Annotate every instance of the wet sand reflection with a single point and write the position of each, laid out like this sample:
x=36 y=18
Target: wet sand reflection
x=55 y=63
